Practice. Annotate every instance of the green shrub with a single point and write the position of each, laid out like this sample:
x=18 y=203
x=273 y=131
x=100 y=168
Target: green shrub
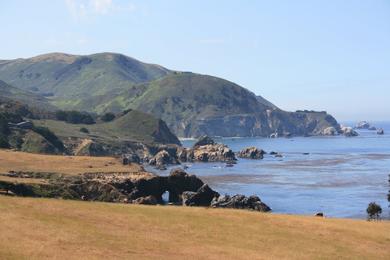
x=84 y=130
x=107 y=117
x=373 y=211
x=74 y=117
x=4 y=142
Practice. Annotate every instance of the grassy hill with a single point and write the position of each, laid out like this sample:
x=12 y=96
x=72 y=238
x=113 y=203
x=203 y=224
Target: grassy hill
x=73 y=76
x=11 y=93
x=133 y=126
x=191 y=104
x=49 y=228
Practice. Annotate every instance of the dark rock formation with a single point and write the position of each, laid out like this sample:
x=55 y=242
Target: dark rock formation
x=240 y=202
x=179 y=181
x=183 y=188
x=204 y=140
x=380 y=131
x=251 y=153
x=202 y=197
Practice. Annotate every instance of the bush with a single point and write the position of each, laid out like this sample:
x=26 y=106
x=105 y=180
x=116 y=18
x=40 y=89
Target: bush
x=373 y=211
x=84 y=130
x=107 y=117
x=50 y=136
x=74 y=117
x=4 y=142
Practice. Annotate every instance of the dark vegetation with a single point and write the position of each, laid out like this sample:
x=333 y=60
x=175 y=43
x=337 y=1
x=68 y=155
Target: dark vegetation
x=84 y=130
x=50 y=136
x=373 y=211
x=74 y=117
x=107 y=117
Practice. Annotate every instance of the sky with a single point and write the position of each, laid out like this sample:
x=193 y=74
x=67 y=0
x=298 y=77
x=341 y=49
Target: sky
x=327 y=55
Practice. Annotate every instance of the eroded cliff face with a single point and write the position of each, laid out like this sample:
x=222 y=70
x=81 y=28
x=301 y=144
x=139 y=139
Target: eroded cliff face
x=263 y=124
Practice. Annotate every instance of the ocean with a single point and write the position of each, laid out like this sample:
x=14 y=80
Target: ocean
x=337 y=175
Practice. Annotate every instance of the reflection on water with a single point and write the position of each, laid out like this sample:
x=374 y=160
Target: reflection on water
x=339 y=176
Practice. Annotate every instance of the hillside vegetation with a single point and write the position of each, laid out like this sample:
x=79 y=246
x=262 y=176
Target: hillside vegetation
x=48 y=228
x=11 y=93
x=132 y=126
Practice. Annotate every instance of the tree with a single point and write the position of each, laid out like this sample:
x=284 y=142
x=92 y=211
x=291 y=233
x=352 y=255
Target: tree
x=373 y=211
x=107 y=117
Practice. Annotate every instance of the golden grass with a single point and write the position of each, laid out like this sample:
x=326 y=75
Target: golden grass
x=49 y=228
x=20 y=161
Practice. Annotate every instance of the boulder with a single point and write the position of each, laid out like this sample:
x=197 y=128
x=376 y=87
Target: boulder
x=348 y=131
x=213 y=153
x=240 y=202
x=202 y=197
x=380 y=131
x=163 y=158
x=251 y=153
x=204 y=140
x=148 y=200
x=329 y=131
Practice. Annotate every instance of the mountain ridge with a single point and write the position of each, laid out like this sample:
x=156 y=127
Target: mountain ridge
x=189 y=103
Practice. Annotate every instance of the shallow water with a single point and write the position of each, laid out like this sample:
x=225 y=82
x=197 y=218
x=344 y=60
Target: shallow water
x=339 y=176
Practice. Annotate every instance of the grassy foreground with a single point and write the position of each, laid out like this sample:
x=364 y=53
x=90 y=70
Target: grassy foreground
x=49 y=228
x=72 y=165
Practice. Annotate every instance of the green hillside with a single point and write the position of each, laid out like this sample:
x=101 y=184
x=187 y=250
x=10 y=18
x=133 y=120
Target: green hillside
x=133 y=126
x=72 y=76
x=8 y=92
x=191 y=104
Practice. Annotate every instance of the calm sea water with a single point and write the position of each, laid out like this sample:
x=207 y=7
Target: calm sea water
x=339 y=176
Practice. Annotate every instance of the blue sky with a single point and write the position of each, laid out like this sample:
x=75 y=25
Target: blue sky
x=322 y=55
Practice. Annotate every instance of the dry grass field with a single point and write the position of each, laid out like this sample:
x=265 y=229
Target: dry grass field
x=59 y=229
x=29 y=162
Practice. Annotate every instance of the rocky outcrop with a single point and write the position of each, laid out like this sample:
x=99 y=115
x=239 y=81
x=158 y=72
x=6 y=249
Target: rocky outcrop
x=348 y=131
x=204 y=140
x=142 y=188
x=251 y=153
x=380 y=131
x=202 y=197
x=363 y=125
x=179 y=181
x=329 y=131
x=240 y=202
x=206 y=150
x=163 y=158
